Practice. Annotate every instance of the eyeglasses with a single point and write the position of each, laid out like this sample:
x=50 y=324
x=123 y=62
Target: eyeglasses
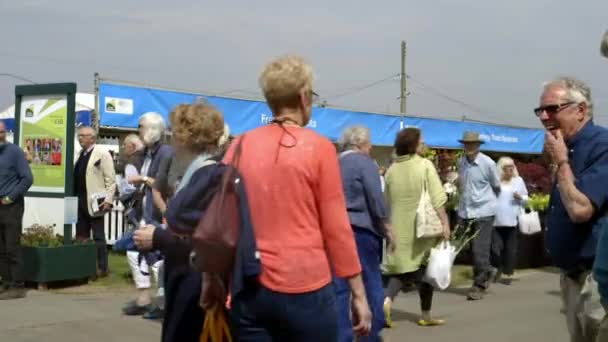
x=551 y=110
x=314 y=96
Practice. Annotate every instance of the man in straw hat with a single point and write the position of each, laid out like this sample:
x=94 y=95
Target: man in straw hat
x=479 y=185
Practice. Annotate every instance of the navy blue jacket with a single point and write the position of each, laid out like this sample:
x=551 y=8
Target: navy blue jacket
x=183 y=314
x=186 y=208
x=573 y=246
x=15 y=174
x=149 y=212
x=363 y=192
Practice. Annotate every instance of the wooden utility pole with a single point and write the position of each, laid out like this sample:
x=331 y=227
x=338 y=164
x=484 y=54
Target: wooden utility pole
x=403 y=92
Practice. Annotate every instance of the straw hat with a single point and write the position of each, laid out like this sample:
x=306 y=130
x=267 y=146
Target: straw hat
x=471 y=137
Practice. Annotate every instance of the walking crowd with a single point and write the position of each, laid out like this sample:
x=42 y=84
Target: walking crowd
x=322 y=244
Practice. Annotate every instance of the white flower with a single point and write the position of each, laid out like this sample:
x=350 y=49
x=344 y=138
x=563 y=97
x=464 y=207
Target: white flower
x=449 y=188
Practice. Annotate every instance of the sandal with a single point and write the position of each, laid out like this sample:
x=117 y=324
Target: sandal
x=388 y=322
x=431 y=322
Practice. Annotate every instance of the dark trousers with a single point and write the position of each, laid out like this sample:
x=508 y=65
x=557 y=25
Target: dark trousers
x=369 y=247
x=481 y=245
x=504 y=249
x=397 y=282
x=184 y=317
x=84 y=226
x=11 y=261
x=261 y=315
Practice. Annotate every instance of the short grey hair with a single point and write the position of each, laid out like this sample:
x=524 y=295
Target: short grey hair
x=135 y=140
x=604 y=45
x=89 y=128
x=353 y=137
x=576 y=91
x=155 y=127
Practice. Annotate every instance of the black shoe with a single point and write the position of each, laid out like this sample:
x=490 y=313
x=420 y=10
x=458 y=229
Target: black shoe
x=13 y=293
x=154 y=313
x=132 y=309
x=506 y=280
x=495 y=275
x=475 y=293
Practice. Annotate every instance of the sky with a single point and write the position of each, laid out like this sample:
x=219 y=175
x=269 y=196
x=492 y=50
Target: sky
x=483 y=60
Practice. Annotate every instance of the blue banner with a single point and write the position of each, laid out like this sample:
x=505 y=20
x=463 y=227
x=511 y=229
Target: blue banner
x=9 y=124
x=122 y=105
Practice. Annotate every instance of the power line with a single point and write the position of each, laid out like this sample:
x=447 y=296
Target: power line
x=21 y=78
x=439 y=93
x=71 y=61
x=237 y=91
x=357 y=89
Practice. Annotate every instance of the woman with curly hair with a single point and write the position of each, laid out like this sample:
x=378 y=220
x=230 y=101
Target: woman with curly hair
x=198 y=133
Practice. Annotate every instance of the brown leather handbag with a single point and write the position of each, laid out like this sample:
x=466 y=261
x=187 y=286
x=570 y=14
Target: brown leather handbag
x=216 y=236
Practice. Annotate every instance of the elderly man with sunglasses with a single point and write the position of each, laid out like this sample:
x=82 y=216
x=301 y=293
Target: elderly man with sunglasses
x=600 y=268
x=579 y=199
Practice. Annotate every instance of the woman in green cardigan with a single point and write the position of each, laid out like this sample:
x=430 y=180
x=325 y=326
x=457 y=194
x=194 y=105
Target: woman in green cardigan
x=404 y=184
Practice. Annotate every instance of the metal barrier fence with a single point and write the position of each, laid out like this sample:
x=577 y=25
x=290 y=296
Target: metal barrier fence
x=115 y=223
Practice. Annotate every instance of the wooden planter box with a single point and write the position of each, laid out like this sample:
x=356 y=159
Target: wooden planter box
x=43 y=264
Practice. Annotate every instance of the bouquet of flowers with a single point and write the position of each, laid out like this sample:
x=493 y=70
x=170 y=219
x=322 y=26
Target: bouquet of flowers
x=451 y=190
x=462 y=235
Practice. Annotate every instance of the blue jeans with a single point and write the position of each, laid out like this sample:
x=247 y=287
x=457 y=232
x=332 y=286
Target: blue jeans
x=261 y=315
x=369 y=247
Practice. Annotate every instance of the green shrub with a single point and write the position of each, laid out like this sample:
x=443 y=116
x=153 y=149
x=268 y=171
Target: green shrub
x=538 y=202
x=44 y=236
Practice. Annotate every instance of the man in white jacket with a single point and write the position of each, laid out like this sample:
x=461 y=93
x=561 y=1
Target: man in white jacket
x=94 y=177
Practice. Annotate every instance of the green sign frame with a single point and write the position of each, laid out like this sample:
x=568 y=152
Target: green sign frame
x=67 y=90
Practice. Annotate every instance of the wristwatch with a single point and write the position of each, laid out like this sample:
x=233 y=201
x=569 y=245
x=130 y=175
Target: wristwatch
x=145 y=179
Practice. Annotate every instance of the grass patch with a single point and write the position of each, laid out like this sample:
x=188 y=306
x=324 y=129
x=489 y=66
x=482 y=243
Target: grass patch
x=118 y=280
x=461 y=275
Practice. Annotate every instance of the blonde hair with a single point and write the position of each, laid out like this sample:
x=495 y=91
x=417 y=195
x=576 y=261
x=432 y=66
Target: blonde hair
x=135 y=140
x=282 y=81
x=506 y=161
x=198 y=127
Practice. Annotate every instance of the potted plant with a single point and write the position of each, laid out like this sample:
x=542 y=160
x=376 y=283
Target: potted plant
x=46 y=258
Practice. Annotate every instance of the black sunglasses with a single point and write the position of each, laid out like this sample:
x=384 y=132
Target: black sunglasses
x=315 y=96
x=553 y=109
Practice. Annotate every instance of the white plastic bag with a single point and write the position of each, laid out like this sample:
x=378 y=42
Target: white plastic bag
x=439 y=267
x=529 y=223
